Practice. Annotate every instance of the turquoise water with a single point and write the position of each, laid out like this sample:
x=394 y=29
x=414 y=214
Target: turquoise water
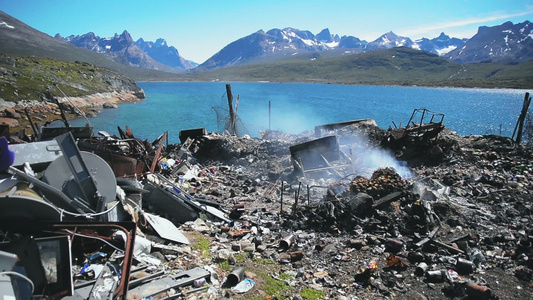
x=297 y=107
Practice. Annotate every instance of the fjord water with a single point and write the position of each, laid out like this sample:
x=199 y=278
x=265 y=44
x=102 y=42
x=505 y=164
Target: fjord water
x=298 y=107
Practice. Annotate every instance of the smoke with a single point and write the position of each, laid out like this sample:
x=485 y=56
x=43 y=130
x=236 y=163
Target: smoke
x=367 y=158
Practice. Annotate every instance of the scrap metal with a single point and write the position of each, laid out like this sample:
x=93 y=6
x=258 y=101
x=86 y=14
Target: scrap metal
x=427 y=127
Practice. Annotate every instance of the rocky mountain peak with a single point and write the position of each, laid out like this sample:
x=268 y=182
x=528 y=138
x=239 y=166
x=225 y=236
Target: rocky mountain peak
x=503 y=44
x=442 y=37
x=161 y=42
x=125 y=37
x=389 y=40
x=325 y=36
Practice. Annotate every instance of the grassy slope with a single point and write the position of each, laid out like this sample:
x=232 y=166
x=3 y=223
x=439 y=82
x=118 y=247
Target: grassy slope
x=32 y=78
x=23 y=40
x=399 y=66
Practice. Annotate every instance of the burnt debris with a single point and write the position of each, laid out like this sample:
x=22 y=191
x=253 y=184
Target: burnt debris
x=350 y=211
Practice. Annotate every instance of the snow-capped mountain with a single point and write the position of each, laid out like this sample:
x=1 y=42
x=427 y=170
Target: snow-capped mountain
x=326 y=37
x=503 y=43
x=278 y=43
x=167 y=55
x=440 y=45
x=120 y=48
x=389 y=40
x=273 y=44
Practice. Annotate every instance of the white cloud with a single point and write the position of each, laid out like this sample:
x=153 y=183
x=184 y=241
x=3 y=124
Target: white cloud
x=439 y=27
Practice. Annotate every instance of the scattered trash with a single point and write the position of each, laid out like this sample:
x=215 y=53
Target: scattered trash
x=119 y=217
x=243 y=286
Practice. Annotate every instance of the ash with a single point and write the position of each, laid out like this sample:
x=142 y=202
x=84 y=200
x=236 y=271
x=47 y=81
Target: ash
x=449 y=219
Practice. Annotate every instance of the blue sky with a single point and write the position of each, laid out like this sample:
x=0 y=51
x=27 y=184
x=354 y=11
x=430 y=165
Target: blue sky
x=199 y=29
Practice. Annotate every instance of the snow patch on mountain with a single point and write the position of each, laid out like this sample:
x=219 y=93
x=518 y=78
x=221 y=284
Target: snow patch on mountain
x=6 y=25
x=444 y=51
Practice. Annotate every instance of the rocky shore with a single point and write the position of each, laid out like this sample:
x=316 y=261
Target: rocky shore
x=15 y=114
x=38 y=84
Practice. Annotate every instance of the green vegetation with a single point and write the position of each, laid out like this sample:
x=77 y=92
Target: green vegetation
x=36 y=78
x=312 y=294
x=397 y=66
x=264 y=261
x=225 y=266
x=274 y=287
x=202 y=245
x=240 y=258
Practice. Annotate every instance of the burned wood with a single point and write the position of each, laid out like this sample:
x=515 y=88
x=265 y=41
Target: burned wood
x=387 y=199
x=429 y=237
x=35 y=129
x=448 y=247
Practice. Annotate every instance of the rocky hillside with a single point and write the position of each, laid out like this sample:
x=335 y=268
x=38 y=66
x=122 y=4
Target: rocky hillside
x=32 y=81
x=165 y=54
x=120 y=48
x=506 y=43
x=19 y=39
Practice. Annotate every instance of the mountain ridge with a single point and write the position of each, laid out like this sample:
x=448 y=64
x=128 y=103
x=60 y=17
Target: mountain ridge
x=260 y=45
x=277 y=43
x=292 y=55
x=505 y=43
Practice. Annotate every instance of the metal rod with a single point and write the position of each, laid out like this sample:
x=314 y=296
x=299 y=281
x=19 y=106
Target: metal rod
x=79 y=110
x=269 y=114
x=308 y=195
x=281 y=200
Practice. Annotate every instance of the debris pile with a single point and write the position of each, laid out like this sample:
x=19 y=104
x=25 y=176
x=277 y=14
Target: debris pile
x=282 y=216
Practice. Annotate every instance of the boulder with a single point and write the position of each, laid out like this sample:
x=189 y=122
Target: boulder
x=11 y=113
x=109 y=105
x=9 y=121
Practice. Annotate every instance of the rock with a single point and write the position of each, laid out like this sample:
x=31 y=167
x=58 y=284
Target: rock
x=109 y=105
x=6 y=104
x=10 y=122
x=360 y=203
x=11 y=113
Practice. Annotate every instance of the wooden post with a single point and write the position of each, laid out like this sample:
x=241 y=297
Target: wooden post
x=231 y=124
x=234 y=124
x=521 y=119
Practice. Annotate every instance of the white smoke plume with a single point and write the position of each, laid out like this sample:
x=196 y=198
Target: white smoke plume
x=367 y=158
